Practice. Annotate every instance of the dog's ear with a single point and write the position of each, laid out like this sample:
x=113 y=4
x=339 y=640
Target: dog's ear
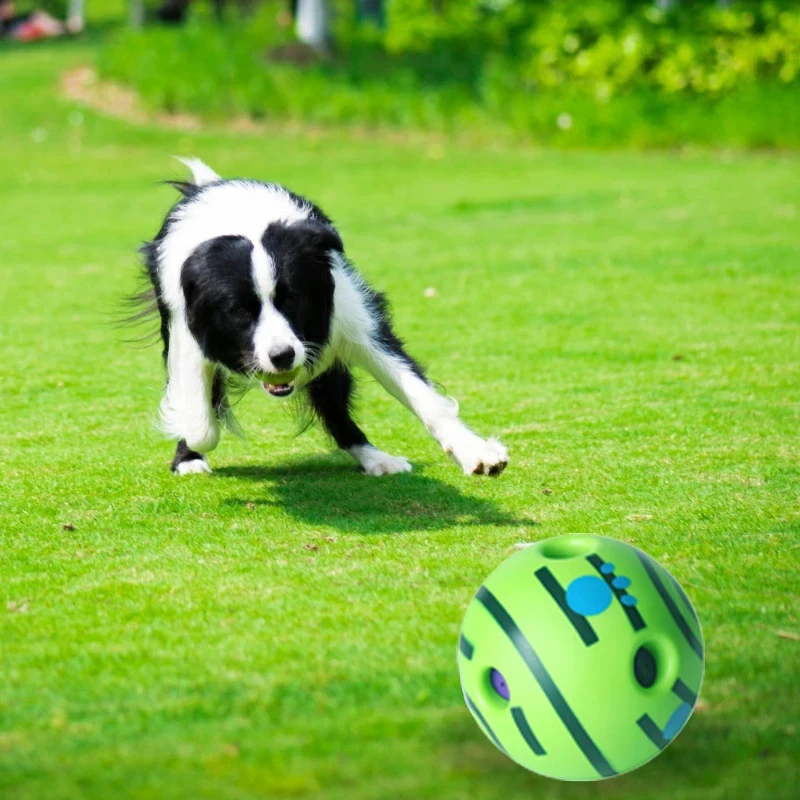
x=309 y=237
x=319 y=235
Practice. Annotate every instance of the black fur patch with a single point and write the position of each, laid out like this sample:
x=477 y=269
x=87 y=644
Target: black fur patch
x=303 y=280
x=183 y=454
x=222 y=307
x=331 y=396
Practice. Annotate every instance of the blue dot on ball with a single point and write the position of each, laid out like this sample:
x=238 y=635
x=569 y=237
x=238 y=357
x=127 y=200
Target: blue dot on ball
x=588 y=595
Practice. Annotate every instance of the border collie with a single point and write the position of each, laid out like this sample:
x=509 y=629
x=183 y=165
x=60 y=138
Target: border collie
x=253 y=287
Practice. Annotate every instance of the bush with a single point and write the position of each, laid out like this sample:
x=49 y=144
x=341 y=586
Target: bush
x=604 y=47
x=591 y=72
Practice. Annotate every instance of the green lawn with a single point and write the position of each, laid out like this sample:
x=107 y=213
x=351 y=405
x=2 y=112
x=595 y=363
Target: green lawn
x=628 y=324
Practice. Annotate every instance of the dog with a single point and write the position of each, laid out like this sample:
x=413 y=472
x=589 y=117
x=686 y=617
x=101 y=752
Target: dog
x=252 y=286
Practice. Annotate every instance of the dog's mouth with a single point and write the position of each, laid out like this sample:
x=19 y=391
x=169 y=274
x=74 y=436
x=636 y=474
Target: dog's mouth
x=279 y=385
x=279 y=389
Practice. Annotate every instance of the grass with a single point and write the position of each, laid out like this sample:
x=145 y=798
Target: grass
x=287 y=627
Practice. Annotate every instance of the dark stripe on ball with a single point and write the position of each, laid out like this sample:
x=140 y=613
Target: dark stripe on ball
x=631 y=612
x=556 y=591
x=687 y=602
x=652 y=731
x=674 y=611
x=684 y=692
x=466 y=648
x=548 y=686
x=525 y=731
x=474 y=709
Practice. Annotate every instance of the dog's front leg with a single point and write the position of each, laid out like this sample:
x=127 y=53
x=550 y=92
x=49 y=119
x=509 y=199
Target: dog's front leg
x=187 y=409
x=399 y=375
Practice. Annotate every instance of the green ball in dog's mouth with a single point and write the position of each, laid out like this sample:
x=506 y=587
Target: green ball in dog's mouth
x=280 y=385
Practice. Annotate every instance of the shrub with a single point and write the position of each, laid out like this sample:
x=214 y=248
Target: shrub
x=581 y=71
x=604 y=47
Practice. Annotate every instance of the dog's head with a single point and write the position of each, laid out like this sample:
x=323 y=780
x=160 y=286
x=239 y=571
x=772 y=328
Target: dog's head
x=263 y=307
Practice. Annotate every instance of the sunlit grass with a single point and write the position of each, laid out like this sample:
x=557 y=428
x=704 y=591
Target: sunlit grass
x=287 y=627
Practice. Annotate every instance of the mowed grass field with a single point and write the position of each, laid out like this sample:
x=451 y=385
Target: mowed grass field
x=628 y=324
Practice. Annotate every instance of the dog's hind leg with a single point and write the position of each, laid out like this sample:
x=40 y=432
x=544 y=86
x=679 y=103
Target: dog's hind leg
x=331 y=397
x=363 y=336
x=403 y=379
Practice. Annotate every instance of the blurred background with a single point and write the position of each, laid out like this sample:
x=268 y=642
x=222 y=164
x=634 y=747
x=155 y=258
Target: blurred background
x=571 y=72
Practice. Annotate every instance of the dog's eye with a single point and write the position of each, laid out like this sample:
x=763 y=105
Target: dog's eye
x=285 y=299
x=241 y=313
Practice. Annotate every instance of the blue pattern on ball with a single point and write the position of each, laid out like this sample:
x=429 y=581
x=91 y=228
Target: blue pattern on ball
x=588 y=595
x=677 y=720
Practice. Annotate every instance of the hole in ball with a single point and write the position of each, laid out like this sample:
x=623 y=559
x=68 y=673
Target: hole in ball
x=645 y=668
x=567 y=547
x=499 y=684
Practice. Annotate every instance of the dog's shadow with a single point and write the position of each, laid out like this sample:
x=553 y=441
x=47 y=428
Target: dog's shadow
x=322 y=492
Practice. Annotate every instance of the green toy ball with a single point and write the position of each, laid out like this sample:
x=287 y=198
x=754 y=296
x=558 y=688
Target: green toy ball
x=581 y=657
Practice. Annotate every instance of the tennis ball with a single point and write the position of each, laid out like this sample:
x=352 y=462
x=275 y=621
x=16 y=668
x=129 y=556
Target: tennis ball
x=281 y=378
x=581 y=657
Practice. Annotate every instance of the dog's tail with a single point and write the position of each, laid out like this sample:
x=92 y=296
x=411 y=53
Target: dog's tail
x=202 y=174
x=142 y=305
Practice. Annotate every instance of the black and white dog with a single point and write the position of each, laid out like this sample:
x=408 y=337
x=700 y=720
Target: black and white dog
x=253 y=287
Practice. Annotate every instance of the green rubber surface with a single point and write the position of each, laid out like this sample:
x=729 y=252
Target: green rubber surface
x=601 y=652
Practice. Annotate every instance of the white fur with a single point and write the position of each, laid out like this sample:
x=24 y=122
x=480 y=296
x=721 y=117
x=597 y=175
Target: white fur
x=376 y=462
x=273 y=334
x=186 y=410
x=354 y=322
x=202 y=174
x=354 y=327
x=475 y=456
x=196 y=466
x=263 y=272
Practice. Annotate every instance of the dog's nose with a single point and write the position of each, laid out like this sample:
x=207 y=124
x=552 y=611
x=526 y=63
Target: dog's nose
x=282 y=358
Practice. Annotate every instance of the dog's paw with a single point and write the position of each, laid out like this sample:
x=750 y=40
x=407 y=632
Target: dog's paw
x=376 y=462
x=195 y=466
x=480 y=456
x=387 y=465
